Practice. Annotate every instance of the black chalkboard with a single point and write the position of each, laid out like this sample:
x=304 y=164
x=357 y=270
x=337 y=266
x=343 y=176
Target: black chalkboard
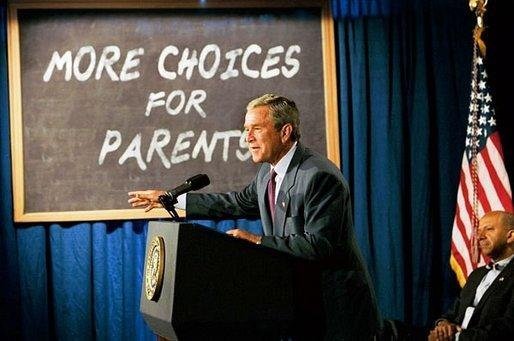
x=119 y=99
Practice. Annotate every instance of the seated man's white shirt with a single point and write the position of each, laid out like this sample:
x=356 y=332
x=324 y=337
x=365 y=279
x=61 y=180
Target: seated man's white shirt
x=481 y=289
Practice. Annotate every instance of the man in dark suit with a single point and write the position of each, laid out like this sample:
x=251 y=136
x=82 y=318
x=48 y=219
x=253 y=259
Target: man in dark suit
x=304 y=204
x=485 y=308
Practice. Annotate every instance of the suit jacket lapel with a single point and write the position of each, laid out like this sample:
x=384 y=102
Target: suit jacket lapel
x=283 y=195
x=473 y=282
x=502 y=279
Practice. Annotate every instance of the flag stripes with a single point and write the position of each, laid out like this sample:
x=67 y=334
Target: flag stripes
x=491 y=187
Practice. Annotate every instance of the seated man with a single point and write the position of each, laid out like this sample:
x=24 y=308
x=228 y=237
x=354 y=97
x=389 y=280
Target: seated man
x=485 y=308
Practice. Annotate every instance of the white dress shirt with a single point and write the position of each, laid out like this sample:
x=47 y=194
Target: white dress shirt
x=281 y=168
x=482 y=288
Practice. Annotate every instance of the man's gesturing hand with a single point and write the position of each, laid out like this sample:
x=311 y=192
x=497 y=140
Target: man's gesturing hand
x=148 y=199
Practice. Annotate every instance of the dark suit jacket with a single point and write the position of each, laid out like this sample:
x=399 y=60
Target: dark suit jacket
x=313 y=220
x=493 y=318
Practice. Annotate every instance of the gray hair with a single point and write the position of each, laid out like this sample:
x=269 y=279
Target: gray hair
x=282 y=111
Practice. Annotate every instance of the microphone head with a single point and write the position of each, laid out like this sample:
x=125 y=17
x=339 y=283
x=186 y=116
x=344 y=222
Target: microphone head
x=198 y=181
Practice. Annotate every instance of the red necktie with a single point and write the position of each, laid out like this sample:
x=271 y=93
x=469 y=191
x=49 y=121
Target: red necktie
x=271 y=194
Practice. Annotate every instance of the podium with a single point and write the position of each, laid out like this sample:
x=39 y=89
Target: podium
x=200 y=284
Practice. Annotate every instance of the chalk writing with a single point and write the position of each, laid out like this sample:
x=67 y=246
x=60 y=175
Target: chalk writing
x=207 y=62
x=221 y=141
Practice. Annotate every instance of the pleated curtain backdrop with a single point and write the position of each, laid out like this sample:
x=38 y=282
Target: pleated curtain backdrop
x=404 y=93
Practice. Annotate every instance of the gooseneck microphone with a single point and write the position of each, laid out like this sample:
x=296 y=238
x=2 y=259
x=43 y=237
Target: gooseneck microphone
x=169 y=199
x=194 y=183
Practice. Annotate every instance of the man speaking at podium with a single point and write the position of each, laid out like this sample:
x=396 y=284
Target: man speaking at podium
x=304 y=205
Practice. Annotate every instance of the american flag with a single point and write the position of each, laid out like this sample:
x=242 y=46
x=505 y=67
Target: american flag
x=484 y=184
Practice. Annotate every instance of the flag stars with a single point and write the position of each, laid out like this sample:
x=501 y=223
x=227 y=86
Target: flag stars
x=492 y=122
x=482 y=120
x=479 y=61
x=488 y=98
x=484 y=74
x=481 y=85
x=473 y=133
x=485 y=109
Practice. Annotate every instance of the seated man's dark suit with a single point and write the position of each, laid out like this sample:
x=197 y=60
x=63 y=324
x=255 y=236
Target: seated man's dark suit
x=313 y=220
x=493 y=318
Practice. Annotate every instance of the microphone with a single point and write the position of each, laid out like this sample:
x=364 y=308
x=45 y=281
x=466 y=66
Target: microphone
x=194 y=183
x=169 y=199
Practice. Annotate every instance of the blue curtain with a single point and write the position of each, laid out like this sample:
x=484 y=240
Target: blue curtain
x=403 y=71
x=9 y=277
x=404 y=93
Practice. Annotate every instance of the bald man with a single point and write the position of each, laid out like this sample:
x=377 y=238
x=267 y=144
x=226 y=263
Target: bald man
x=485 y=308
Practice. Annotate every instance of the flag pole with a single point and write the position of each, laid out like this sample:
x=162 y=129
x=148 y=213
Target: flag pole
x=479 y=8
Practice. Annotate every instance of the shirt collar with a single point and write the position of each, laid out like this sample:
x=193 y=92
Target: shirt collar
x=499 y=265
x=283 y=164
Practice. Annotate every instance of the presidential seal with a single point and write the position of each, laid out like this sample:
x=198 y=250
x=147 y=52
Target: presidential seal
x=154 y=269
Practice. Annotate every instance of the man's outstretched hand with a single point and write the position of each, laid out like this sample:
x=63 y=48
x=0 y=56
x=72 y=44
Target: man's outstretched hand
x=148 y=199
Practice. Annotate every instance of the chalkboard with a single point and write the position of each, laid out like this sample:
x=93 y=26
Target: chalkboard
x=108 y=99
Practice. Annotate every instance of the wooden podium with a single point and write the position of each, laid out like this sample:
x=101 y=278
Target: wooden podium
x=200 y=284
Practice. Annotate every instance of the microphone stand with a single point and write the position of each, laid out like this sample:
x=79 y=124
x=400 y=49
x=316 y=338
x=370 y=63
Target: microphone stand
x=168 y=201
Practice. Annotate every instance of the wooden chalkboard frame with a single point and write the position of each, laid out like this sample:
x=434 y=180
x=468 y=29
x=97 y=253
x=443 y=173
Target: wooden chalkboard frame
x=16 y=110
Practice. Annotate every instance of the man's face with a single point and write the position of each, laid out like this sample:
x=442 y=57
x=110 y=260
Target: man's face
x=493 y=237
x=265 y=142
